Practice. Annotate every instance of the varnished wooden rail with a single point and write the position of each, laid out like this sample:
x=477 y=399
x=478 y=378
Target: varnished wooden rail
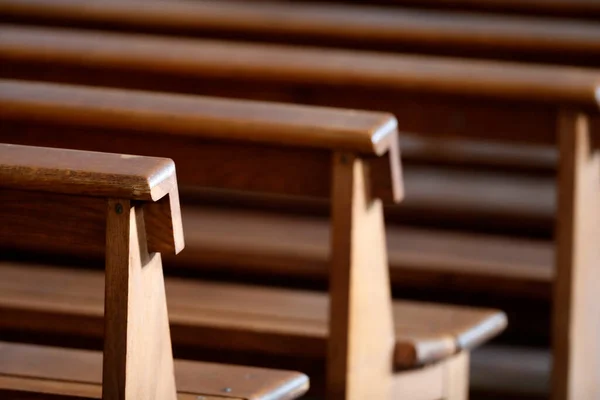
x=333 y=25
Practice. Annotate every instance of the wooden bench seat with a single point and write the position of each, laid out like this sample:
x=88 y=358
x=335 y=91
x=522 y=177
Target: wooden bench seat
x=235 y=317
x=358 y=27
x=68 y=372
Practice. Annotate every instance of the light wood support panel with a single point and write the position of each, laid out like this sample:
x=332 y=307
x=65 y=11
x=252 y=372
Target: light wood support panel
x=576 y=330
x=361 y=342
x=447 y=380
x=138 y=360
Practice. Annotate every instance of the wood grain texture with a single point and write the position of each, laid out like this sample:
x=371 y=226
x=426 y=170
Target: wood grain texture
x=351 y=26
x=75 y=225
x=440 y=97
x=272 y=63
x=48 y=222
x=233 y=317
x=253 y=122
x=576 y=313
x=79 y=372
x=361 y=331
x=85 y=173
x=138 y=360
x=232 y=146
x=52 y=198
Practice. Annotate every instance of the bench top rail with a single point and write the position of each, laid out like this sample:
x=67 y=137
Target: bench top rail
x=85 y=173
x=55 y=197
x=246 y=145
x=276 y=63
x=356 y=26
x=368 y=133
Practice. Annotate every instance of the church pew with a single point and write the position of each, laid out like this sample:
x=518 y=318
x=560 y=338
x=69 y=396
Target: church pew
x=282 y=149
x=127 y=208
x=509 y=102
x=530 y=39
x=411 y=87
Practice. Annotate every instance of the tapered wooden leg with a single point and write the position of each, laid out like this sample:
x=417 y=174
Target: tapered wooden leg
x=576 y=325
x=457 y=377
x=359 y=364
x=138 y=360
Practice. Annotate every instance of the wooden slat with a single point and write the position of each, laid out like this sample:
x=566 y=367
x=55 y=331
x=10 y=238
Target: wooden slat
x=245 y=145
x=79 y=373
x=208 y=315
x=86 y=173
x=589 y=9
x=374 y=28
x=285 y=125
x=434 y=96
x=199 y=57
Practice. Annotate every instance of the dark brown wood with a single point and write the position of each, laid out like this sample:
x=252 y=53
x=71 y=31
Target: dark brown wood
x=433 y=96
x=350 y=26
x=53 y=198
x=82 y=173
x=244 y=145
x=367 y=133
x=234 y=317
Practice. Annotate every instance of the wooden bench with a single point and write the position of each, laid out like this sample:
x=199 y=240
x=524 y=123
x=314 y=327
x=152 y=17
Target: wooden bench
x=333 y=25
x=127 y=207
x=193 y=67
x=430 y=96
x=287 y=149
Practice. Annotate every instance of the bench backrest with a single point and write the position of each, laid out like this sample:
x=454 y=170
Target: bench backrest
x=428 y=95
x=94 y=201
x=333 y=25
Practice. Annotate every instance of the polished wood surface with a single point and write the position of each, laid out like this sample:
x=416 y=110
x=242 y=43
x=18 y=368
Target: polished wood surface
x=54 y=197
x=199 y=57
x=253 y=122
x=335 y=25
x=433 y=96
x=576 y=324
x=246 y=145
x=236 y=317
x=360 y=310
x=137 y=356
x=79 y=372
x=85 y=173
